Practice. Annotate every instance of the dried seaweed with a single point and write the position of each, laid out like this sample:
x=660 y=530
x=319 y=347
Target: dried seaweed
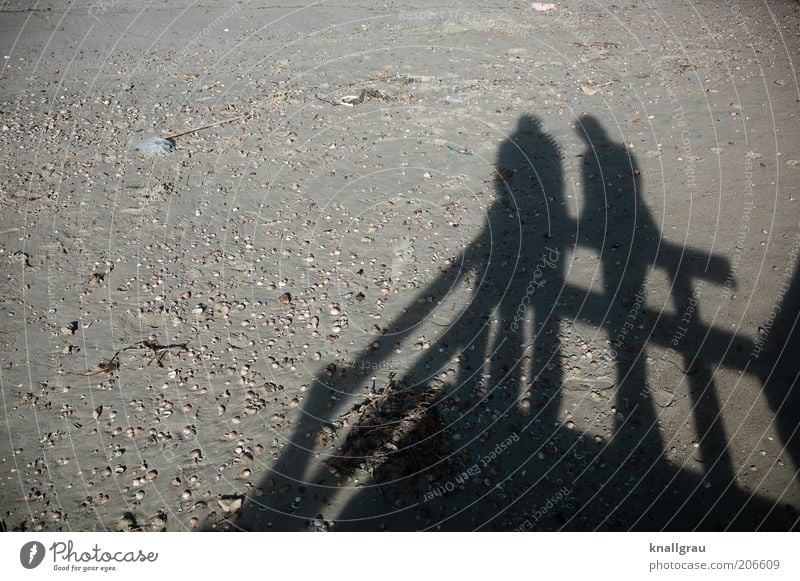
x=396 y=435
x=157 y=353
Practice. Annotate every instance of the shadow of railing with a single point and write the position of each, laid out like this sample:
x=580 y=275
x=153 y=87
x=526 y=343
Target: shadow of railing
x=422 y=430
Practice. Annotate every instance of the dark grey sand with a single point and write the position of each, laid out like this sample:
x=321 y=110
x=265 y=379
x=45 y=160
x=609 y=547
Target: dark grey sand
x=541 y=266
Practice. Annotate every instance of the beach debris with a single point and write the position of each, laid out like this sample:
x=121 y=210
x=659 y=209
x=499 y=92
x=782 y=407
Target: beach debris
x=462 y=150
x=395 y=434
x=155 y=144
x=158 y=352
x=107 y=367
x=352 y=100
x=543 y=6
x=95 y=279
x=70 y=328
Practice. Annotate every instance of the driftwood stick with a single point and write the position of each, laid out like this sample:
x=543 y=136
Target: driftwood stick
x=207 y=126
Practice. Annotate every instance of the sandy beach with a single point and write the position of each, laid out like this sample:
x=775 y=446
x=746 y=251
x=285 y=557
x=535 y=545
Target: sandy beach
x=447 y=266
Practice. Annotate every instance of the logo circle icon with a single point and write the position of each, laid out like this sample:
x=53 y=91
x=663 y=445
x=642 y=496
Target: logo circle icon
x=31 y=554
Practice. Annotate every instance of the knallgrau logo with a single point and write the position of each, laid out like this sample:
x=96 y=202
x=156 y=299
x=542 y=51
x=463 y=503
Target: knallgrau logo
x=31 y=554
x=67 y=558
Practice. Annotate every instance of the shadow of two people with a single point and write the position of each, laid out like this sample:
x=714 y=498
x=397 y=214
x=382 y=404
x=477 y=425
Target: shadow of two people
x=420 y=431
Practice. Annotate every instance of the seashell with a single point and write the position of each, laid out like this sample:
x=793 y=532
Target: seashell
x=230 y=504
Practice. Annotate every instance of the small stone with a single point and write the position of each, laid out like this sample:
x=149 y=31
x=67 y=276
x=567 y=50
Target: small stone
x=125 y=524
x=285 y=299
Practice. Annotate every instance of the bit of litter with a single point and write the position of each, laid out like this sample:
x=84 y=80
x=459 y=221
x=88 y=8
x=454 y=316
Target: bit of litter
x=461 y=150
x=155 y=144
x=352 y=100
x=543 y=6
x=589 y=90
x=451 y=99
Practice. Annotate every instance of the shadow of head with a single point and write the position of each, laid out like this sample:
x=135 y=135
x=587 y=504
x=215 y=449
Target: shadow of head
x=591 y=131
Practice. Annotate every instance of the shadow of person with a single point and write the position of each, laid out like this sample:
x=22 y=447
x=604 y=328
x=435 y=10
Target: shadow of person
x=499 y=353
x=618 y=224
